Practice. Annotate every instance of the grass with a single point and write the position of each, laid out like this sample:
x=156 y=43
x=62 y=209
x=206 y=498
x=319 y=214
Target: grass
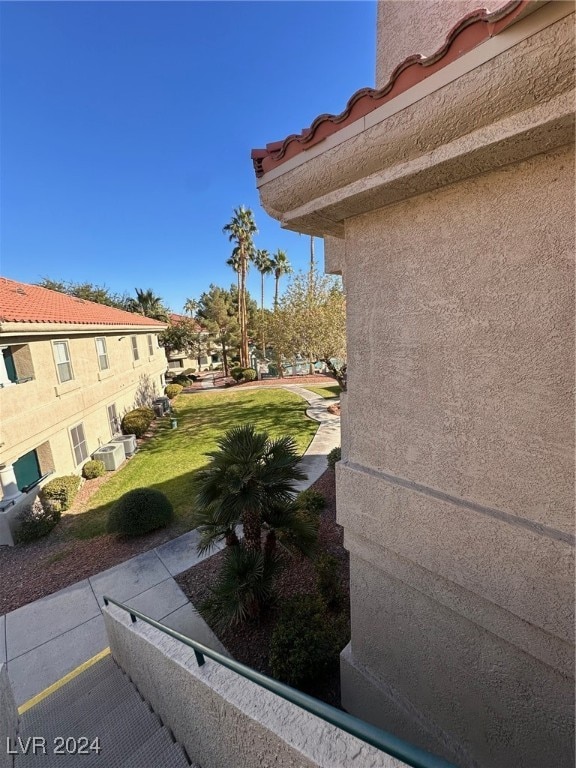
x=331 y=391
x=169 y=460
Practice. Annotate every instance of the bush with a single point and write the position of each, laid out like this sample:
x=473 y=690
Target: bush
x=334 y=456
x=237 y=373
x=272 y=369
x=35 y=522
x=306 y=641
x=183 y=380
x=58 y=494
x=310 y=501
x=189 y=371
x=329 y=585
x=140 y=511
x=136 y=422
x=172 y=390
x=249 y=374
x=93 y=469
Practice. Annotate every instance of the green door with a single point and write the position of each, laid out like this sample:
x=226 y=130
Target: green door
x=27 y=470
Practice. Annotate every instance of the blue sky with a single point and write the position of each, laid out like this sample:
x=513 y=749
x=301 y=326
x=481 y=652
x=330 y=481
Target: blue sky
x=127 y=129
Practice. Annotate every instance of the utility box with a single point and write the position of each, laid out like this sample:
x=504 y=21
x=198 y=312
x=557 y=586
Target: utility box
x=112 y=455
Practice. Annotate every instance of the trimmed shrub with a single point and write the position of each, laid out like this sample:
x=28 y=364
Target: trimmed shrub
x=249 y=374
x=329 y=585
x=306 y=641
x=35 y=522
x=310 y=501
x=189 y=371
x=140 y=511
x=172 y=390
x=92 y=469
x=334 y=456
x=136 y=422
x=183 y=380
x=237 y=373
x=58 y=494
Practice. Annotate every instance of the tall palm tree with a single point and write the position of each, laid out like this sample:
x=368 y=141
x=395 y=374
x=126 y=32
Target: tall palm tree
x=280 y=266
x=240 y=230
x=190 y=306
x=263 y=263
x=147 y=303
x=234 y=263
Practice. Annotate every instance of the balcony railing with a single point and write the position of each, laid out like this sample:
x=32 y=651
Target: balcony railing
x=370 y=734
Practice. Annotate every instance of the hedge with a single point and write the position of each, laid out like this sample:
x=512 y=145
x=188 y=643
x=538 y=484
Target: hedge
x=58 y=494
x=140 y=511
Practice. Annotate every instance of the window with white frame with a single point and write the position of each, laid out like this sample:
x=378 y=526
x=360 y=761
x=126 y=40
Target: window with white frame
x=150 y=346
x=102 y=351
x=113 y=419
x=79 y=443
x=62 y=358
x=135 y=353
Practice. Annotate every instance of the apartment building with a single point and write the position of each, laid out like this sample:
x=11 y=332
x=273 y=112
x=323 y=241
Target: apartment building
x=182 y=360
x=69 y=370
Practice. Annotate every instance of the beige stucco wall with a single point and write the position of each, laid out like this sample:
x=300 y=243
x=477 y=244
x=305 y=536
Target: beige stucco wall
x=44 y=410
x=429 y=22
x=456 y=491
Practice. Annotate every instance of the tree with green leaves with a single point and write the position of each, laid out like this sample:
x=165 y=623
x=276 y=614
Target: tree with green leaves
x=280 y=267
x=250 y=480
x=241 y=230
x=147 y=303
x=100 y=294
x=217 y=313
x=182 y=336
x=264 y=265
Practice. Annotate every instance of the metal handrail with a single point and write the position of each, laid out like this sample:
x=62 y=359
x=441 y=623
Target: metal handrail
x=376 y=737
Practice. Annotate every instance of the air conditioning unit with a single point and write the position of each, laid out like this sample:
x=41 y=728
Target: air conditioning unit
x=111 y=455
x=129 y=443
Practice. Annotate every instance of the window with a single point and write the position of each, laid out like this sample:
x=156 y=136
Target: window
x=135 y=353
x=79 y=443
x=113 y=419
x=150 y=346
x=62 y=357
x=102 y=353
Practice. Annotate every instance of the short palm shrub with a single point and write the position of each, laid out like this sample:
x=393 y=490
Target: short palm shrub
x=237 y=373
x=329 y=585
x=311 y=502
x=334 y=456
x=172 y=390
x=140 y=511
x=92 y=469
x=136 y=422
x=245 y=584
x=249 y=374
x=306 y=641
x=58 y=494
x=35 y=522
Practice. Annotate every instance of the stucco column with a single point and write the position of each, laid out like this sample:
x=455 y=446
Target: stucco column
x=8 y=482
x=4 y=380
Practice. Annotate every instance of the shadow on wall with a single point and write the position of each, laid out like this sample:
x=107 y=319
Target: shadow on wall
x=146 y=391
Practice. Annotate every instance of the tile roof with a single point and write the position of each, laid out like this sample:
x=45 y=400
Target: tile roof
x=175 y=318
x=23 y=303
x=474 y=28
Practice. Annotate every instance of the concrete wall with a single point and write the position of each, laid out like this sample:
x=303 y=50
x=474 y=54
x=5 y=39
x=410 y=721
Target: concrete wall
x=429 y=21
x=222 y=719
x=43 y=410
x=456 y=489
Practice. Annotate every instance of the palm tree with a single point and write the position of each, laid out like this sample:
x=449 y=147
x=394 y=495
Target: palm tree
x=148 y=304
x=250 y=480
x=263 y=263
x=190 y=306
x=234 y=263
x=280 y=266
x=241 y=229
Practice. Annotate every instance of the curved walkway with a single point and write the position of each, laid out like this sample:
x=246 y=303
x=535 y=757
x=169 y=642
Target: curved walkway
x=45 y=640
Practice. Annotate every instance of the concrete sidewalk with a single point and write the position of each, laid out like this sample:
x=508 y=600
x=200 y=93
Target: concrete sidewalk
x=44 y=640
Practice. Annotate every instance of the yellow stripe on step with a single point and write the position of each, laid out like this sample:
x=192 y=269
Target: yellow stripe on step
x=63 y=680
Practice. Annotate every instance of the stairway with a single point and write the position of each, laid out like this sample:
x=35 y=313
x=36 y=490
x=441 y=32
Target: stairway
x=101 y=716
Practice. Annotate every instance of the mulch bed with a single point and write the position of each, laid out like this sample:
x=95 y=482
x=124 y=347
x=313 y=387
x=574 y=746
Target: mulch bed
x=249 y=643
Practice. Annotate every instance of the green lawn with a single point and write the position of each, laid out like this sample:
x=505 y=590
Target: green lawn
x=169 y=459
x=331 y=391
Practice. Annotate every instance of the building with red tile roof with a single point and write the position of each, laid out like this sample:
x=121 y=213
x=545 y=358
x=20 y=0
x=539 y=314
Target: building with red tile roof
x=445 y=197
x=69 y=371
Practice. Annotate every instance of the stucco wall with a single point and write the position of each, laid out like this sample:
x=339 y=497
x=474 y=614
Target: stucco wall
x=457 y=486
x=43 y=409
x=428 y=22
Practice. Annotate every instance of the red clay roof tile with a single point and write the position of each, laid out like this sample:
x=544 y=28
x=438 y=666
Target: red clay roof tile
x=23 y=303
x=470 y=31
